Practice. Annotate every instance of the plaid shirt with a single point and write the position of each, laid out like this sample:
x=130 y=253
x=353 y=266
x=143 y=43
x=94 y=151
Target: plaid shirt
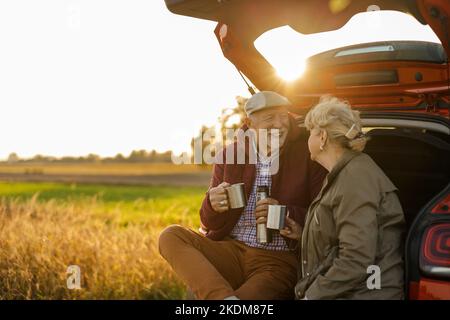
x=245 y=228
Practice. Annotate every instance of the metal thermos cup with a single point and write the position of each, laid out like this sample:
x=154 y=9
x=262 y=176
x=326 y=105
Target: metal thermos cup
x=263 y=235
x=276 y=217
x=236 y=196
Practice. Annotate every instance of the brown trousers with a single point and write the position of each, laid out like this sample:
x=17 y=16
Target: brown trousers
x=219 y=269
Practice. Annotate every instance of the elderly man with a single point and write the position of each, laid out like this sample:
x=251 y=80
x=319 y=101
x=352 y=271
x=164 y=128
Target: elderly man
x=227 y=261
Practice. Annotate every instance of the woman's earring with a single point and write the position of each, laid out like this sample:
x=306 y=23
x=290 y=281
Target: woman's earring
x=321 y=147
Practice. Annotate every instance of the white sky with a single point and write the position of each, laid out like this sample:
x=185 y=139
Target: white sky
x=109 y=76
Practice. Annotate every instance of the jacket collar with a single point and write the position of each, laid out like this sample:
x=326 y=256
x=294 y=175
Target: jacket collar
x=346 y=157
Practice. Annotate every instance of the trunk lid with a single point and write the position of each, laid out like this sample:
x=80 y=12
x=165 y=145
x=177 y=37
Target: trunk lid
x=420 y=83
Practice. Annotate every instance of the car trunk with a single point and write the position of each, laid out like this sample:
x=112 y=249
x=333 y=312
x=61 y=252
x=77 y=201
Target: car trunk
x=412 y=149
x=417 y=162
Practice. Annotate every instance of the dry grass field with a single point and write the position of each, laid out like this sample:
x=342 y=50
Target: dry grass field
x=110 y=232
x=155 y=174
x=101 y=168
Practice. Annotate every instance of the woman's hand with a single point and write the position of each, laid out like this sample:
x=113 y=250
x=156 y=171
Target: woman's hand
x=218 y=197
x=292 y=230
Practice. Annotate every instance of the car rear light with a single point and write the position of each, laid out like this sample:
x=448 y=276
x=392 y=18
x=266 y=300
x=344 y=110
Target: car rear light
x=443 y=207
x=435 y=251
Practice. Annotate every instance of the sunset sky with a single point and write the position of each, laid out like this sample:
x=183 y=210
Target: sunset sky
x=110 y=76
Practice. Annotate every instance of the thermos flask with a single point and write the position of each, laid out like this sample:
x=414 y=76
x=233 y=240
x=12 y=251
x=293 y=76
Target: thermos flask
x=263 y=235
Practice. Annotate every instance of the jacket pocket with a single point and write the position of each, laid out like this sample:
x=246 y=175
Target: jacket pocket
x=304 y=283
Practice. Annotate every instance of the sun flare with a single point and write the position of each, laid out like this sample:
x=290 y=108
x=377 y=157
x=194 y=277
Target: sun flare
x=289 y=71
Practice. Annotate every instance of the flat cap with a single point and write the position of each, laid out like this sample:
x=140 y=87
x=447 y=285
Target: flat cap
x=264 y=100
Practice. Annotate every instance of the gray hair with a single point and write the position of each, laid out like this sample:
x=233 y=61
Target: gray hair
x=342 y=124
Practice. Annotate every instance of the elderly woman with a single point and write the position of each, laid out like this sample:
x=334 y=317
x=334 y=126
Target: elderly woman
x=351 y=243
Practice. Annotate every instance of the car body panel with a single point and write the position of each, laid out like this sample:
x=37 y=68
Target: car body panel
x=429 y=289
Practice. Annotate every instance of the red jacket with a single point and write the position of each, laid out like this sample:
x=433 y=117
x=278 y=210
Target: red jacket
x=296 y=183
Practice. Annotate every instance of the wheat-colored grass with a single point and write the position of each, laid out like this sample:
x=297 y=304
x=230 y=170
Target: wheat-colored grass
x=40 y=239
x=101 y=168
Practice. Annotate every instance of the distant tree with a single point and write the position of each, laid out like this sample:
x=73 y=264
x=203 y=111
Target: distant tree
x=233 y=118
x=93 y=158
x=66 y=159
x=230 y=118
x=199 y=140
x=13 y=158
x=161 y=156
x=138 y=155
x=119 y=157
x=142 y=155
x=38 y=158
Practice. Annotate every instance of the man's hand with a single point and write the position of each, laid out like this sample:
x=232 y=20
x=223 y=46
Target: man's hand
x=262 y=208
x=293 y=230
x=218 y=197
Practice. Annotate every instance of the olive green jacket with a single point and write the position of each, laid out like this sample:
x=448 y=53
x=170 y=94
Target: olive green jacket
x=355 y=222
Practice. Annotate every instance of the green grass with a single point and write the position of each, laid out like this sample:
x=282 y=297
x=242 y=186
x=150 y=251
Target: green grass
x=132 y=204
x=108 y=193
